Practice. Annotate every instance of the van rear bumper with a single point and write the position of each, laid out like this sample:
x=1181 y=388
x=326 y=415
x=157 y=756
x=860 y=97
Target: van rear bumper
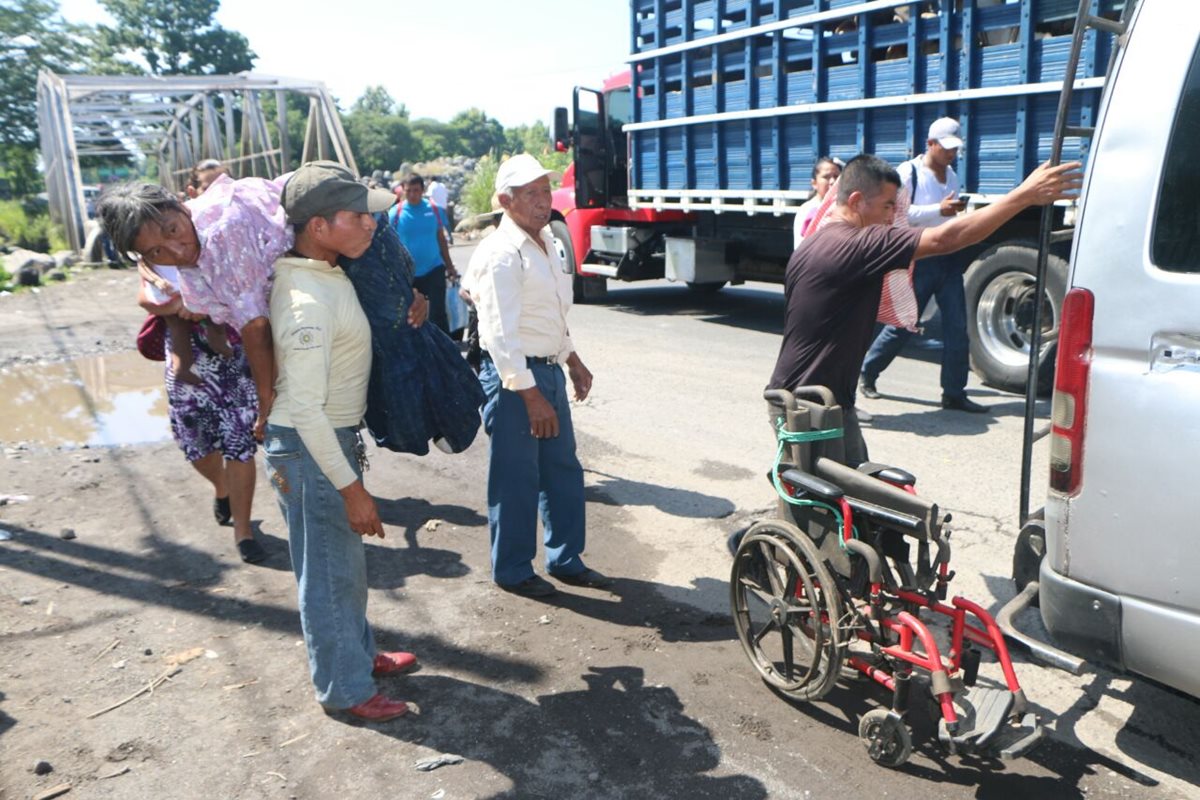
x=1082 y=619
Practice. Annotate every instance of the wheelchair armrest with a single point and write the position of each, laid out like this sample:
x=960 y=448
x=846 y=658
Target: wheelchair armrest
x=812 y=485
x=883 y=472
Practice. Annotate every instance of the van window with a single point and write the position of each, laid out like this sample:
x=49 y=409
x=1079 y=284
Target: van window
x=1176 y=242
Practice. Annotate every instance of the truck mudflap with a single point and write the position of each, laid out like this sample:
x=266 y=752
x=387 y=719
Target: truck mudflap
x=1082 y=618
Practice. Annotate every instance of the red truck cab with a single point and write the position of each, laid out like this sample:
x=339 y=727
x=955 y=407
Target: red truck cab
x=593 y=225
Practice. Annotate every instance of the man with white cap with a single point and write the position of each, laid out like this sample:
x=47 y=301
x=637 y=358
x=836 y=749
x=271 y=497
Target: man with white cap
x=315 y=456
x=522 y=292
x=933 y=188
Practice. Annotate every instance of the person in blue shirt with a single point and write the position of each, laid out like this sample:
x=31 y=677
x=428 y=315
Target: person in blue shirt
x=417 y=223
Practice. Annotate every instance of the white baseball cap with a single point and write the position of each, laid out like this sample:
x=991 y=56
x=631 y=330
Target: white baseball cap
x=946 y=132
x=518 y=171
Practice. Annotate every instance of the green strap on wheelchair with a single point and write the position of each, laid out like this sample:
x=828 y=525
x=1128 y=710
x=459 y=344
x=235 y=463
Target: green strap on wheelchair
x=786 y=437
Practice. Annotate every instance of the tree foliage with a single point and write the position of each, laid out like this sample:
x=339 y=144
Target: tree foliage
x=172 y=37
x=33 y=37
x=377 y=100
x=379 y=141
x=477 y=132
x=435 y=139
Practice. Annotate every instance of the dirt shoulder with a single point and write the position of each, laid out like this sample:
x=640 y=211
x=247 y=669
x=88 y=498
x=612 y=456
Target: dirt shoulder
x=541 y=700
x=139 y=658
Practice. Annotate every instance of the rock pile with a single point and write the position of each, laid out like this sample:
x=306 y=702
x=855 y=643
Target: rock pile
x=28 y=268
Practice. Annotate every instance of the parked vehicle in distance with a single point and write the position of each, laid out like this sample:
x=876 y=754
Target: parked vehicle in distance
x=90 y=195
x=691 y=165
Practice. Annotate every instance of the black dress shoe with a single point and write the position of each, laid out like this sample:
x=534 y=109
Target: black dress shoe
x=868 y=389
x=962 y=404
x=251 y=551
x=534 y=586
x=222 y=512
x=589 y=578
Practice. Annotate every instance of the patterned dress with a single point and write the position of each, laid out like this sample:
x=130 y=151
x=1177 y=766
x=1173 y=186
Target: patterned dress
x=218 y=414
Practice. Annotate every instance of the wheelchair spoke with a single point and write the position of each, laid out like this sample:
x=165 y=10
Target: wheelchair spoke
x=758 y=637
x=771 y=568
x=779 y=604
x=788 y=667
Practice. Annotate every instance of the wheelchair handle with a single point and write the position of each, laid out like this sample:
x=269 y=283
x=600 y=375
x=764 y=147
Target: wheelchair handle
x=779 y=397
x=819 y=394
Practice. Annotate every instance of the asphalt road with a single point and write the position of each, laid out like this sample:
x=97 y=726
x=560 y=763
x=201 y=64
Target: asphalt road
x=674 y=442
x=641 y=692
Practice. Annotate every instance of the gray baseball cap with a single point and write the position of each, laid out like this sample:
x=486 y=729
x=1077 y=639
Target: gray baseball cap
x=320 y=188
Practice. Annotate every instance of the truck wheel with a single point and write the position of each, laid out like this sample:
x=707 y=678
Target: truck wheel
x=1000 y=303
x=585 y=288
x=706 y=288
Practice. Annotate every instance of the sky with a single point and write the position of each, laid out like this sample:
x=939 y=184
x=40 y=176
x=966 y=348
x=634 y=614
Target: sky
x=516 y=61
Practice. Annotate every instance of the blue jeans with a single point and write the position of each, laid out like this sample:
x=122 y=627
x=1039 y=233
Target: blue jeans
x=433 y=285
x=940 y=277
x=329 y=561
x=528 y=477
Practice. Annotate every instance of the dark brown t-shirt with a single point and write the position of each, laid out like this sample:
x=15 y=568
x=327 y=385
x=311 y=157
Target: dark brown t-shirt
x=832 y=286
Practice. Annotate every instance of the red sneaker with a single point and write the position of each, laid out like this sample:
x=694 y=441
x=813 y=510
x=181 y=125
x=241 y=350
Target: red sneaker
x=393 y=663
x=379 y=709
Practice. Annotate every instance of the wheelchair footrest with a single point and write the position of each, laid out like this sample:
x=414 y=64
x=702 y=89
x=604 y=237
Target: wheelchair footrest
x=985 y=726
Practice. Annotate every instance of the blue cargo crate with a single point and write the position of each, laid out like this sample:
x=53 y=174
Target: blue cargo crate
x=737 y=95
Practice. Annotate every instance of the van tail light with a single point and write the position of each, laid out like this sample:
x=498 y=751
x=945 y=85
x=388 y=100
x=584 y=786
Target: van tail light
x=1068 y=415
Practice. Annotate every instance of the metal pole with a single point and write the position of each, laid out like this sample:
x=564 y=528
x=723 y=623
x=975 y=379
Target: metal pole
x=1047 y=227
x=281 y=113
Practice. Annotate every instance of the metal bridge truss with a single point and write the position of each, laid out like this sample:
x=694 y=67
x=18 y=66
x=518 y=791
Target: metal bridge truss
x=178 y=121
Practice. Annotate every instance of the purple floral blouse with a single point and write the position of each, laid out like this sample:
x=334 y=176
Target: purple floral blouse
x=242 y=230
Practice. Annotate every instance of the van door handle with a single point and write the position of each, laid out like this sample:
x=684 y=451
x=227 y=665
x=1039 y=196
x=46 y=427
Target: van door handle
x=1169 y=351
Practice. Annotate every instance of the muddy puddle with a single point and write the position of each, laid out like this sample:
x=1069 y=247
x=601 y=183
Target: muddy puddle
x=100 y=400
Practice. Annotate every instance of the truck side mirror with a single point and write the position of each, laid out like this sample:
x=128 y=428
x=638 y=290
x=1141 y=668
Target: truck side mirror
x=560 y=133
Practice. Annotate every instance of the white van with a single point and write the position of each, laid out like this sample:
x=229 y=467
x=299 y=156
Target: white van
x=1120 y=580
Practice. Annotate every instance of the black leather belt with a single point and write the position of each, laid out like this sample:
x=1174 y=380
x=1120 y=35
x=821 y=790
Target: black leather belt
x=531 y=360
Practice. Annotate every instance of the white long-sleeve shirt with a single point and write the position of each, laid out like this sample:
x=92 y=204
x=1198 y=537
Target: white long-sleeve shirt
x=323 y=352
x=926 y=208
x=522 y=295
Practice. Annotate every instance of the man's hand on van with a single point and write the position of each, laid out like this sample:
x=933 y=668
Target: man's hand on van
x=952 y=206
x=1047 y=184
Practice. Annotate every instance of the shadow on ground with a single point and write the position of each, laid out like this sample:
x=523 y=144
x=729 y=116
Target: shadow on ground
x=616 y=738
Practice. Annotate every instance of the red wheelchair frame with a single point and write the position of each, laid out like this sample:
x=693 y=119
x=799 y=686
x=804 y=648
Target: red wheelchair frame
x=825 y=575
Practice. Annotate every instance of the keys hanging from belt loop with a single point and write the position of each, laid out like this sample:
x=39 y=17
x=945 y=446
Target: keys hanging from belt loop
x=360 y=452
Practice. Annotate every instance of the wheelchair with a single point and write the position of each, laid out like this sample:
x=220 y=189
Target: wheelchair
x=844 y=584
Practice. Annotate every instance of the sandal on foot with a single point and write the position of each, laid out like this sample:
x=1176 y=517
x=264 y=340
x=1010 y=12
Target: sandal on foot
x=222 y=512
x=251 y=551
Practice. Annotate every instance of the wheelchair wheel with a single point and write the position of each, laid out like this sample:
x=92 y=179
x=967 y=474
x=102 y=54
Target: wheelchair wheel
x=786 y=610
x=888 y=741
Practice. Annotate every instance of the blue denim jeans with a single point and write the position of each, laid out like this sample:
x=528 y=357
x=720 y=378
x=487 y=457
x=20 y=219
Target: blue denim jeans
x=528 y=477
x=940 y=277
x=329 y=561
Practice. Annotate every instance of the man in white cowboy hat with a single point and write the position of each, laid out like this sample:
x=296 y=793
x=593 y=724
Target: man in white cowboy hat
x=522 y=292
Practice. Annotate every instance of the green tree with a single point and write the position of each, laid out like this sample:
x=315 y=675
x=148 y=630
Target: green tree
x=33 y=37
x=377 y=100
x=533 y=139
x=435 y=139
x=477 y=132
x=173 y=37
